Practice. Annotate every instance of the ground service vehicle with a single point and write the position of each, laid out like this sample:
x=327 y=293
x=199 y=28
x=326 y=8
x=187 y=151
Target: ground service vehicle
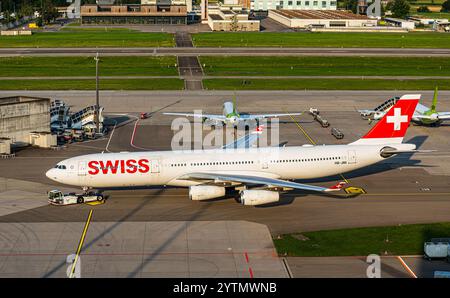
x=56 y=197
x=315 y=113
x=337 y=133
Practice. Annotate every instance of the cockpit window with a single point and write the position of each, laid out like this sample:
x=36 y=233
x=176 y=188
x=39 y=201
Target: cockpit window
x=61 y=167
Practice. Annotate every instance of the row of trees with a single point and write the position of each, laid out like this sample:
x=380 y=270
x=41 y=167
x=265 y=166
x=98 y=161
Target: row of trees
x=399 y=8
x=16 y=9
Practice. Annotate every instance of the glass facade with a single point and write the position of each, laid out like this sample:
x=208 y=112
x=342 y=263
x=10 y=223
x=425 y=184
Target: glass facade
x=166 y=20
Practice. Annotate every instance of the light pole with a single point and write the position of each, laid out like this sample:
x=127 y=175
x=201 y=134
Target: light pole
x=97 y=103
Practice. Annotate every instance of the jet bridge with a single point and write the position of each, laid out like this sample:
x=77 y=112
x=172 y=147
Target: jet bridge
x=59 y=114
x=385 y=106
x=86 y=117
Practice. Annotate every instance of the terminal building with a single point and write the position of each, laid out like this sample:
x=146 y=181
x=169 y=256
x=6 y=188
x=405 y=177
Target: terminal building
x=321 y=19
x=149 y=12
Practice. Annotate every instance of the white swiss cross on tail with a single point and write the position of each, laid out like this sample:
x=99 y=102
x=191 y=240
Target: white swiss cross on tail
x=392 y=127
x=397 y=119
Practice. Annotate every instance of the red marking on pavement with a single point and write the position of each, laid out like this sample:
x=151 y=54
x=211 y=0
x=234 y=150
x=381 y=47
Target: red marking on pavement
x=132 y=136
x=248 y=263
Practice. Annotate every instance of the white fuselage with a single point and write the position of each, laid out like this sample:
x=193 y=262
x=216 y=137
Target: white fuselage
x=166 y=167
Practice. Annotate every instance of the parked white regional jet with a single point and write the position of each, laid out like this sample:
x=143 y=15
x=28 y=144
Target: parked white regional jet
x=230 y=115
x=260 y=173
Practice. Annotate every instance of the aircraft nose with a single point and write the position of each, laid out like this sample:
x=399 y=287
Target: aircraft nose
x=51 y=174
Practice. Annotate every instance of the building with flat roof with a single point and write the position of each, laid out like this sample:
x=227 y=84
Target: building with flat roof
x=293 y=4
x=154 y=12
x=410 y=25
x=21 y=115
x=229 y=20
x=320 y=19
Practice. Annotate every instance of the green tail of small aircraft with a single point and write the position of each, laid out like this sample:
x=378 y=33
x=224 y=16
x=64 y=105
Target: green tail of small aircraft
x=429 y=116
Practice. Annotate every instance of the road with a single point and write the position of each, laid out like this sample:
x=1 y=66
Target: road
x=190 y=51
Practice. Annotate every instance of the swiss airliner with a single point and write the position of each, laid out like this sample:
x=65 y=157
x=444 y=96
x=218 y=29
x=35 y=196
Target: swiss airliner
x=259 y=174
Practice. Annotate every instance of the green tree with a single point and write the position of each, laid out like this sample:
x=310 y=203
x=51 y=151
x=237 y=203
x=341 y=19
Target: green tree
x=48 y=11
x=349 y=5
x=446 y=6
x=26 y=8
x=234 y=23
x=400 y=8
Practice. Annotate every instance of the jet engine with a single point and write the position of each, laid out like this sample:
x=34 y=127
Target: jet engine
x=205 y=192
x=258 y=197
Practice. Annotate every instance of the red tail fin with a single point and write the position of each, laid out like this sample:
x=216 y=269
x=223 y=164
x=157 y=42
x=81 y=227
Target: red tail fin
x=392 y=127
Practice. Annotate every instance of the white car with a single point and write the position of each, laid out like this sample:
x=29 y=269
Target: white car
x=56 y=197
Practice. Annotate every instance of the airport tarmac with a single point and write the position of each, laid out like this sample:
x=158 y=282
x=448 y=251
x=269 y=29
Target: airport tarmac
x=140 y=249
x=402 y=190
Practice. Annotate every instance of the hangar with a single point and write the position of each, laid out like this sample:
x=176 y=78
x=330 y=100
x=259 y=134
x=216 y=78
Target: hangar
x=321 y=19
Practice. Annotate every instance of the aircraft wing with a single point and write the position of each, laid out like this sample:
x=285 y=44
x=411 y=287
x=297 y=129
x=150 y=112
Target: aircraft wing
x=262 y=116
x=434 y=116
x=208 y=116
x=246 y=141
x=258 y=180
x=444 y=115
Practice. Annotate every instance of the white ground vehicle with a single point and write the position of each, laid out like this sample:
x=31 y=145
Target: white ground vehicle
x=56 y=197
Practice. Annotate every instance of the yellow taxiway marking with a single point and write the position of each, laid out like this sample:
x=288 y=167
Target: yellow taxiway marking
x=354 y=190
x=311 y=141
x=406 y=267
x=80 y=245
x=95 y=203
x=303 y=130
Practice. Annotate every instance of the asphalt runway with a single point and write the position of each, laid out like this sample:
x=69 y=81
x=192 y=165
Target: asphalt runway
x=402 y=190
x=225 y=51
